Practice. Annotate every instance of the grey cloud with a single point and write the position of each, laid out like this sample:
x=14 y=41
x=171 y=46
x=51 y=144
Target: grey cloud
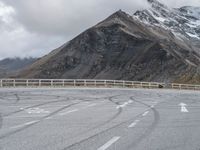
x=66 y=17
x=38 y=26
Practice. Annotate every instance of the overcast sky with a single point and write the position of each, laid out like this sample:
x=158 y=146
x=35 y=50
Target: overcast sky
x=35 y=27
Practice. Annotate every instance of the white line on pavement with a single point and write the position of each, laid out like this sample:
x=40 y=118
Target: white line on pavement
x=124 y=105
x=68 y=112
x=145 y=113
x=152 y=106
x=133 y=124
x=91 y=105
x=109 y=143
x=25 y=124
x=130 y=101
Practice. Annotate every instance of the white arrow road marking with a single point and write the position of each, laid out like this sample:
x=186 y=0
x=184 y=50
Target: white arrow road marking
x=109 y=143
x=133 y=124
x=183 y=107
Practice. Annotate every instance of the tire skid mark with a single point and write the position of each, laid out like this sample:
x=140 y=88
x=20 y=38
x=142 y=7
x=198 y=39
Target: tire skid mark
x=29 y=107
x=106 y=130
x=157 y=118
x=17 y=98
x=150 y=129
x=12 y=101
x=1 y=120
x=110 y=119
x=42 y=104
x=42 y=119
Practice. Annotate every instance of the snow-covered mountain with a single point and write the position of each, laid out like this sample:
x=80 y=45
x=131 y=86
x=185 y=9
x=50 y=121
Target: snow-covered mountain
x=184 y=22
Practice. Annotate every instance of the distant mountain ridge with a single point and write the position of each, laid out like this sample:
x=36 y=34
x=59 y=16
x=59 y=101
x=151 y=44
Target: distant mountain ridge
x=9 y=66
x=156 y=44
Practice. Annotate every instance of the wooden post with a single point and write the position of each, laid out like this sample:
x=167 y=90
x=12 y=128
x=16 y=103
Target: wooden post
x=39 y=83
x=63 y=81
x=1 y=84
x=105 y=83
x=74 y=83
x=27 y=83
x=85 y=84
x=14 y=83
x=123 y=84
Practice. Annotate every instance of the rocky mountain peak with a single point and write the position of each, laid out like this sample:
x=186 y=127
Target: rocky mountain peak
x=183 y=22
x=191 y=11
x=156 y=4
x=155 y=44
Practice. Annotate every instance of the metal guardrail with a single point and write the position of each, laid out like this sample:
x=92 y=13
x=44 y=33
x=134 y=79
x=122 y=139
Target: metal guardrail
x=91 y=83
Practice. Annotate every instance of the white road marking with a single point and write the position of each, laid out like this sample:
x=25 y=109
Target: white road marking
x=91 y=105
x=183 y=107
x=130 y=101
x=124 y=105
x=109 y=143
x=25 y=124
x=48 y=118
x=133 y=124
x=145 y=113
x=118 y=107
x=36 y=111
x=155 y=102
x=68 y=112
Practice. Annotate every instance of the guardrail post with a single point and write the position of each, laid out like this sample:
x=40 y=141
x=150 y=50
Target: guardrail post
x=27 y=83
x=1 y=84
x=123 y=84
x=95 y=83
x=172 y=86
x=85 y=84
x=63 y=81
x=114 y=83
x=39 y=83
x=51 y=82
x=74 y=83
x=14 y=83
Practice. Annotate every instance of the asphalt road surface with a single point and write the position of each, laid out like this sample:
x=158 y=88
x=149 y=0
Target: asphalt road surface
x=99 y=119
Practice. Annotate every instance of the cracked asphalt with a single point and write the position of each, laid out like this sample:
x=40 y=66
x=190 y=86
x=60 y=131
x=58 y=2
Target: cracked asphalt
x=99 y=119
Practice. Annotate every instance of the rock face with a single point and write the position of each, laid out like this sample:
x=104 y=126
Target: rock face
x=147 y=46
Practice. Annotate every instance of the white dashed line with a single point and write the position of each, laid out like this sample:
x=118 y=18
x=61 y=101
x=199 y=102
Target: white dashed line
x=130 y=101
x=145 y=113
x=109 y=143
x=68 y=112
x=91 y=105
x=124 y=105
x=133 y=124
x=25 y=124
